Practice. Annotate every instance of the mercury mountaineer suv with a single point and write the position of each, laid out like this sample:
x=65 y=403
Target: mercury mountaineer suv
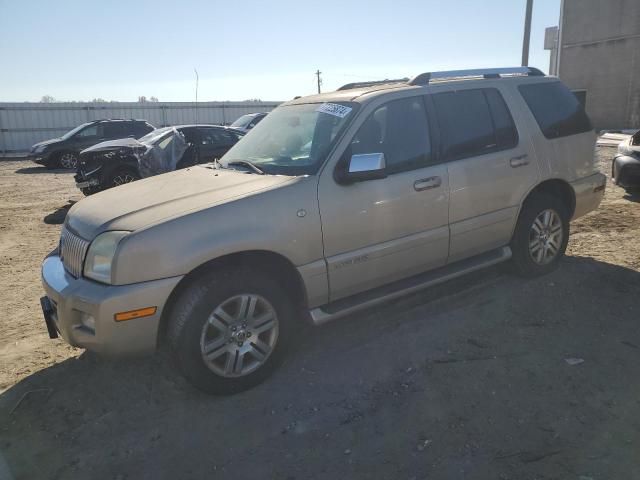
x=333 y=203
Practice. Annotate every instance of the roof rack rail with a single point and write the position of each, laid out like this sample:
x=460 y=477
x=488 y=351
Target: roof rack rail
x=425 y=78
x=351 y=86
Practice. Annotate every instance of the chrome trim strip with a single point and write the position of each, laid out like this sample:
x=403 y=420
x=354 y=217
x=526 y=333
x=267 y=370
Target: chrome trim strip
x=320 y=317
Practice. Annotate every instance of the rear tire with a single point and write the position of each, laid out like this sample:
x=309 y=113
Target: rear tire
x=541 y=235
x=229 y=330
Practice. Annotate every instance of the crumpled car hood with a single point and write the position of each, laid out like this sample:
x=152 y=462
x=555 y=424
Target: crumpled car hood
x=113 y=145
x=146 y=202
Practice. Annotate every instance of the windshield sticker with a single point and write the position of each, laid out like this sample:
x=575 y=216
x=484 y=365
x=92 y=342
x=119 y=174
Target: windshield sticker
x=334 y=109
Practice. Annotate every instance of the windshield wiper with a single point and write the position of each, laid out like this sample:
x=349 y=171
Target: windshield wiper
x=248 y=164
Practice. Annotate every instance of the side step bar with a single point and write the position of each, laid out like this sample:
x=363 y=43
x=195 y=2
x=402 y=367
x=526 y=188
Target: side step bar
x=346 y=306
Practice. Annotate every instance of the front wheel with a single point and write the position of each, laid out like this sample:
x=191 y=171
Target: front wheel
x=229 y=329
x=541 y=235
x=122 y=176
x=68 y=160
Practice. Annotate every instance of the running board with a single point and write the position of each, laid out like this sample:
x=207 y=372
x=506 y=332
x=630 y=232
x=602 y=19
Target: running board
x=360 y=301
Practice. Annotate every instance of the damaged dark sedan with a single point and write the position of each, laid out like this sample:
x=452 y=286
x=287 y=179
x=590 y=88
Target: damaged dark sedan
x=109 y=164
x=625 y=170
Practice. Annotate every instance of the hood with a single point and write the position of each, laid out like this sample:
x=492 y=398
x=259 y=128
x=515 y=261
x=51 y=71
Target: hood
x=114 y=145
x=139 y=204
x=46 y=142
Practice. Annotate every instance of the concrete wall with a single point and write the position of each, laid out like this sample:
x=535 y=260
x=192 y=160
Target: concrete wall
x=23 y=124
x=600 y=53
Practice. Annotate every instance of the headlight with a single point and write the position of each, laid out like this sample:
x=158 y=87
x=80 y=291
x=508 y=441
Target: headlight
x=97 y=265
x=40 y=148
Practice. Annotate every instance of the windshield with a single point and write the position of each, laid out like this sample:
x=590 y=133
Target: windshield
x=243 y=121
x=293 y=139
x=72 y=132
x=155 y=135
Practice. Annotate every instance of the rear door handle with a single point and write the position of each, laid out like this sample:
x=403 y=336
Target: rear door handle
x=427 y=183
x=519 y=161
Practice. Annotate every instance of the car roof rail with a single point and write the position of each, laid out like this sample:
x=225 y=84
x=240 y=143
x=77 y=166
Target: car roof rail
x=351 y=86
x=427 y=77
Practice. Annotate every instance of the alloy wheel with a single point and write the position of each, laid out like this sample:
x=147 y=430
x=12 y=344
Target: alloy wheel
x=122 y=179
x=239 y=335
x=545 y=237
x=68 y=160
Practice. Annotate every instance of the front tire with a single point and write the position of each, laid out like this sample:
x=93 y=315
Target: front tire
x=229 y=329
x=68 y=160
x=122 y=176
x=541 y=235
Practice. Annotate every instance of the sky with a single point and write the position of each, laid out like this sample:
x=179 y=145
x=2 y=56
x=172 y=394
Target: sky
x=248 y=49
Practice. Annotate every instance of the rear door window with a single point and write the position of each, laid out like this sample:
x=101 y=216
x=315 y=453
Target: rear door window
x=474 y=122
x=557 y=110
x=117 y=130
x=141 y=129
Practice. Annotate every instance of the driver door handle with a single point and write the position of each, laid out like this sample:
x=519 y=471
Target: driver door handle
x=427 y=183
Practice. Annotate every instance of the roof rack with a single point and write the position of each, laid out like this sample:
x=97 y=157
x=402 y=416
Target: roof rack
x=425 y=78
x=350 y=86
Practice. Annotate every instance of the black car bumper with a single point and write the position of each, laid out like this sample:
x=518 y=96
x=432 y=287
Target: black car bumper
x=88 y=179
x=41 y=158
x=626 y=171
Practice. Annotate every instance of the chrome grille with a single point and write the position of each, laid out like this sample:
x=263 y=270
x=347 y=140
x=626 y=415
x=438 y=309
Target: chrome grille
x=72 y=251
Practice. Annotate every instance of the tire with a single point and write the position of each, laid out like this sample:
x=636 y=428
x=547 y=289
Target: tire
x=541 y=235
x=121 y=176
x=89 y=190
x=234 y=351
x=68 y=160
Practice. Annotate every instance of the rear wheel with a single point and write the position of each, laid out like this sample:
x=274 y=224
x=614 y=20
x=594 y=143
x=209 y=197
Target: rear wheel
x=228 y=330
x=541 y=235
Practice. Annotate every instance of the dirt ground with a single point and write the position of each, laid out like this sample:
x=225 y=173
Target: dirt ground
x=468 y=380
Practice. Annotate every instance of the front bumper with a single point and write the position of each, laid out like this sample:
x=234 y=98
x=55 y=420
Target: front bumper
x=88 y=179
x=76 y=301
x=40 y=158
x=589 y=192
x=625 y=171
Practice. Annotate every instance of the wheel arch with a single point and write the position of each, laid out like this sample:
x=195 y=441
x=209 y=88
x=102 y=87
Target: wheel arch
x=558 y=188
x=276 y=264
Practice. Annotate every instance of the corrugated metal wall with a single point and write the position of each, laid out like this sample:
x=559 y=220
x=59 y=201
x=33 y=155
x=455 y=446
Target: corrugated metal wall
x=23 y=124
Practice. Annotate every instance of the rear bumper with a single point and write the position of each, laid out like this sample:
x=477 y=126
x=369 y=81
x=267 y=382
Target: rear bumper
x=589 y=192
x=82 y=311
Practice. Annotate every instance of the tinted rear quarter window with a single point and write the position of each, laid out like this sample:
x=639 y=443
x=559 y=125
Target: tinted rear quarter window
x=556 y=109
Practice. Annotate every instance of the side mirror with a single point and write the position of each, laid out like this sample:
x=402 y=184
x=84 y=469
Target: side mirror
x=362 y=167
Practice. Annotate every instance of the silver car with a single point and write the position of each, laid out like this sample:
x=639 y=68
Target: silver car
x=333 y=203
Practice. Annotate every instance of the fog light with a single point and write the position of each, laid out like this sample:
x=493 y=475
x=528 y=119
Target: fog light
x=88 y=321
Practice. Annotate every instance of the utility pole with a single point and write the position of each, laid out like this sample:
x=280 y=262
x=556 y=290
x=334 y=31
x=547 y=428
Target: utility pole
x=197 y=78
x=527 y=34
x=318 y=72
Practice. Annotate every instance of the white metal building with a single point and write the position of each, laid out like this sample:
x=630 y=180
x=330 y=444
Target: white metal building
x=23 y=124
